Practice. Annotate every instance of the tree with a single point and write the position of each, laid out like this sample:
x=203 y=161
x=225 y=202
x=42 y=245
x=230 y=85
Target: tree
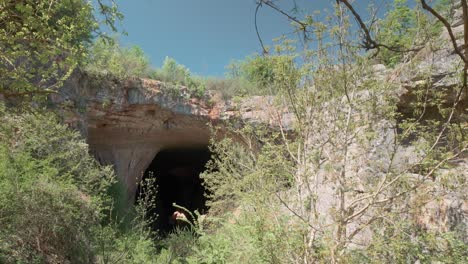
x=171 y=71
x=41 y=42
x=351 y=172
x=266 y=72
x=174 y=75
x=108 y=57
x=370 y=43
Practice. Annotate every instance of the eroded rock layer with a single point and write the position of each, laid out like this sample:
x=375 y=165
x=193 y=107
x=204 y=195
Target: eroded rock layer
x=127 y=123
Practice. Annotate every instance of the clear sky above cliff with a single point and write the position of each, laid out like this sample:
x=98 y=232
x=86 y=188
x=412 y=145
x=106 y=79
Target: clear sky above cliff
x=204 y=35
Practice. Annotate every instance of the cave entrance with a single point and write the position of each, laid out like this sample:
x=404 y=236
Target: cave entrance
x=176 y=174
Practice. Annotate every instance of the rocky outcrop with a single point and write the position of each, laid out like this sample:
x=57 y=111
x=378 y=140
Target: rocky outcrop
x=439 y=69
x=127 y=123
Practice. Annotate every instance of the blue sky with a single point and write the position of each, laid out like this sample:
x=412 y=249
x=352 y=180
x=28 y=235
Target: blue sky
x=204 y=35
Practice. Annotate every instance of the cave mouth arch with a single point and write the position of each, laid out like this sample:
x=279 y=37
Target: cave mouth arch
x=176 y=178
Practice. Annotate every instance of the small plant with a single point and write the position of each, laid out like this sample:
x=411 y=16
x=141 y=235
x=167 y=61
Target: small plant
x=106 y=103
x=195 y=220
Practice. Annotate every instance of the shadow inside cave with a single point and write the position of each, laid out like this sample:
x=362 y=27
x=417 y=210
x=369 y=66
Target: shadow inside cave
x=174 y=175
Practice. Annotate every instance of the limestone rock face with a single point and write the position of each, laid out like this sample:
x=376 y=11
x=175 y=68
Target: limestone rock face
x=127 y=123
x=437 y=67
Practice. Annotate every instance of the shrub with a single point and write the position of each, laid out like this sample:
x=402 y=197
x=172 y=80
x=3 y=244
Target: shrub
x=404 y=28
x=108 y=57
x=266 y=73
x=55 y=205
x=231 y=87
x=43 y=41
x=173 y=72
x=50 y=191
x=177 y=75
x=406 y=243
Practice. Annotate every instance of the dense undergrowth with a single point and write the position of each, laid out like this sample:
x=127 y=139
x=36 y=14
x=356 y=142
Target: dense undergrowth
x=56 y=201
x=60 y=206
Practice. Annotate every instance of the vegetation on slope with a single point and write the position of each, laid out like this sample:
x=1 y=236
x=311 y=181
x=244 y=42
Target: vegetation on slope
x=335 y=188
x=109 y=58
x=55 y=199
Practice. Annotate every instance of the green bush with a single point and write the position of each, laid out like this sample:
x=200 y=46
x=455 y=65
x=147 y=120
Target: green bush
x=266 y=73
x=173 y=72
x=177 y=246
x=109 y=58
x=406 y=243
x=133 y=246
x=177 y=75
x=50 y=191
x=250 y=240
x=231 y=87
x=405 y=28
x=55 y=205
x=43 y=41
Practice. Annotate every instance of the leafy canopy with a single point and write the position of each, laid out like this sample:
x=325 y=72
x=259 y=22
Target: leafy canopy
x=110 y=58
x=405 y=29
x=41 y=42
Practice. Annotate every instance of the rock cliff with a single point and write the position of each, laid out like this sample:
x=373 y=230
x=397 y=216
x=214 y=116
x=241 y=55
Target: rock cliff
x=127 y=123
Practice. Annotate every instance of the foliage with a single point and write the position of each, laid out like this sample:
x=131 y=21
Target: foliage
x=337 y=172
x=406 y=243
x=41 y=42
x=134 y=246
x=248 y=237
x=177 y=246
x=171 y=71
x=404 y=29
x=54 y=202
x=231 y=87
x=266 y=72
x=109 y=58
x=179 y=75
x=50 y=191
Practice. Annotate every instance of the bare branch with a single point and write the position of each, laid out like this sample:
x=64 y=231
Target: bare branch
x=269 y=3
x=302 y=25
x=256 y=29
x=296 y=214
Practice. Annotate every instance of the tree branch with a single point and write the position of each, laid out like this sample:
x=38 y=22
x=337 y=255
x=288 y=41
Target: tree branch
x=302 y=25
x=368 y=42
x=275 y=7
x=256 y=29
x=448 y=27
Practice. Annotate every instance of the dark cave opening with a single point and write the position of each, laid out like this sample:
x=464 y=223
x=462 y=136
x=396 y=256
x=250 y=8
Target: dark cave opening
x=176 y=178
